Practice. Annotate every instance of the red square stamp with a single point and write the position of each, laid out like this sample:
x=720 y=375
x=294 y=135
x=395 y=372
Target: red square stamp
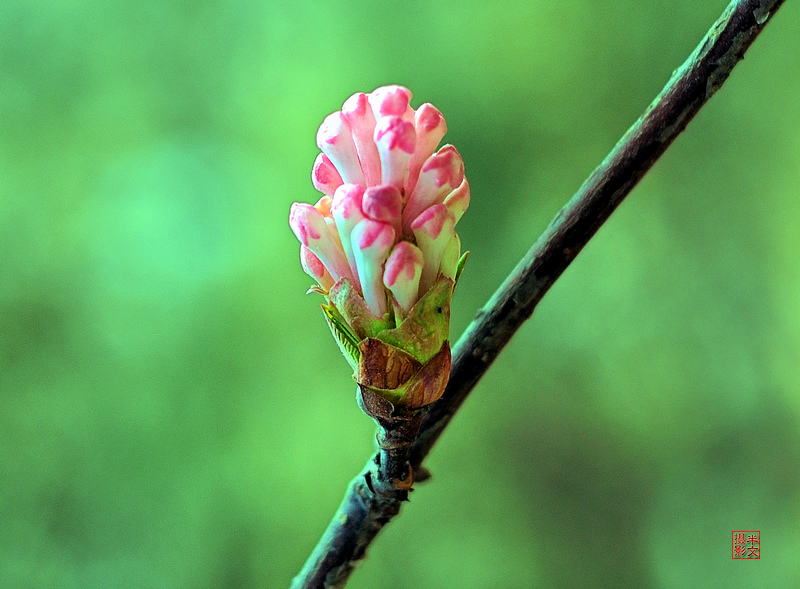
x=746 y=544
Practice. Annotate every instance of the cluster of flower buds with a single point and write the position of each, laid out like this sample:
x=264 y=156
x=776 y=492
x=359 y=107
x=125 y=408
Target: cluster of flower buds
x=383 y=234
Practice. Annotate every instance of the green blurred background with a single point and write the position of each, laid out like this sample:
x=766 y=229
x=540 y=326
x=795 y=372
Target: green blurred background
x=174 y=411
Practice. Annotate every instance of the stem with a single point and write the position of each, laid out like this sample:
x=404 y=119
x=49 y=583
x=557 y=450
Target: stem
x=364 y=511
x=366 y=508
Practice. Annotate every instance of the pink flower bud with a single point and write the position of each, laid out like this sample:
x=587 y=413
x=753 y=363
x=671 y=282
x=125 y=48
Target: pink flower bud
x=383 y=203
x=313 y=232
x=457 y=202
x=392 y=101
x=440 y=175
x=346 y=212
x=395 y=139
x=307 y=226
x=362 y=124
x=335 y=140
x=325 y=176
x=386 y=190
x=430 y=127
x=433 y=228
x=315 y=268
x=402 y=274
x=372 y=241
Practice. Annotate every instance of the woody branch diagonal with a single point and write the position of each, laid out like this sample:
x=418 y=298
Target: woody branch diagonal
x=364 y=512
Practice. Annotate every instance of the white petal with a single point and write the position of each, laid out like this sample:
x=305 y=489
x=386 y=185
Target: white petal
x=402 y=273
x=433 y=229
x=372 y=241
x=335 y=140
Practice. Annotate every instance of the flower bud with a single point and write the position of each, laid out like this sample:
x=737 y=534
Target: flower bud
x=383 y=203
x=313 y=232
x=372 y=241
x=346 y=213
x=362 y=123
x=336 y=141
x=395 y=139
x=381 y=246
x=433 y=229
x=457 y=202
x=392 y=101
x=430 y=127
x=315 y=268
x=402 y=274
x=325 y=176
x=442 y=173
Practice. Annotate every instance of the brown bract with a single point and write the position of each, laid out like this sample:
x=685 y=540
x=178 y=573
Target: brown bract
x=384 y=366
x=429 y=383
x=398 y=378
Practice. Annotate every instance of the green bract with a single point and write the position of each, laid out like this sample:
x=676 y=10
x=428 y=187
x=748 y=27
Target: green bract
x=390 y=359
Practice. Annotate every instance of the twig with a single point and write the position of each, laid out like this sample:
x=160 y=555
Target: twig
x=367 y=508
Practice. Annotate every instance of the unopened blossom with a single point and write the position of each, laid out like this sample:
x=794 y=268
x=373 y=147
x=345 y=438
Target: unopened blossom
x=315 y=268
x=433 y=228
x=325 y=176
x=439 y=176
x=402 y=273
x=382 y=237
x=379 y=163
x=372 y=241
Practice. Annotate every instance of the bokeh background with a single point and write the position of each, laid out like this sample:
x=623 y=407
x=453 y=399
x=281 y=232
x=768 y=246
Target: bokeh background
x=174 y=412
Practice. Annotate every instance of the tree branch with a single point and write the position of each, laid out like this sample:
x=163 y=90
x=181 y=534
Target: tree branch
x=368 y=507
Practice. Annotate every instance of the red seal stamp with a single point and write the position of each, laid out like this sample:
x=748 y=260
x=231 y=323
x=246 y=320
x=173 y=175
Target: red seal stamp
x=746 y=544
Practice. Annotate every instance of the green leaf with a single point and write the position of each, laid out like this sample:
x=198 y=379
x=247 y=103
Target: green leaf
x=427 y=324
